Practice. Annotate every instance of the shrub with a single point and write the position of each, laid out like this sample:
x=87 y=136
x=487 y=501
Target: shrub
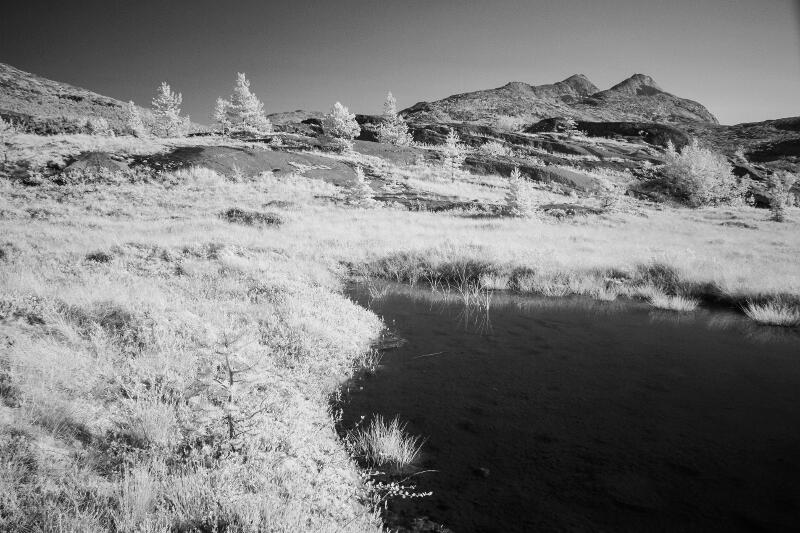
x=251 y=218
x=340 y=125
x=496 y=148
x=509 y=123
x=393 y=129
x=779 y=187
x=97 y=126
x=519 y=202
x=700 y=176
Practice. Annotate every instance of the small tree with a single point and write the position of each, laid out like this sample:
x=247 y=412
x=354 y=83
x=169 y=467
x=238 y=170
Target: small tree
x=700 y=176
x=359 y=192
x=7 y=129
x=341 y=126
x=393 y=129
x=570 y=126
x=779 y=186
x=519 y=201
x=220 y=115
x=167 y=113
x=454 y=154
x=133 y=120
x=244 y=112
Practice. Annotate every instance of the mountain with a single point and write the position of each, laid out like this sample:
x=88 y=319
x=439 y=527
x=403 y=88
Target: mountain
x=638 y=98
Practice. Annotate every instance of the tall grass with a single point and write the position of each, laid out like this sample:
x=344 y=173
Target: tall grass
x=386 y=444
x=773 y=314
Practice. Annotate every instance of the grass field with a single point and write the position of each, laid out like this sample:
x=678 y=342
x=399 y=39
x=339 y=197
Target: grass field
x=168 y=366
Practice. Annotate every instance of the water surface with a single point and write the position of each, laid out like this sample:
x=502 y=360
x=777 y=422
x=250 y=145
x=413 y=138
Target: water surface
x=574 y=415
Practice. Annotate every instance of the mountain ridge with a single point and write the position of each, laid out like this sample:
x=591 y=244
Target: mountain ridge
x=637 y=98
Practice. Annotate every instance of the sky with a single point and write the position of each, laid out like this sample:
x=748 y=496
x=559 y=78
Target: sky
x=741 y=59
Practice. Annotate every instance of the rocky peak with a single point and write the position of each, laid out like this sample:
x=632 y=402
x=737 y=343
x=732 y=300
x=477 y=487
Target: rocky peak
x=581 y=84
x=638 y=84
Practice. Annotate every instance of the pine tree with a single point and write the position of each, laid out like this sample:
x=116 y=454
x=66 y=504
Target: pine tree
x=220 y=115
x=244 y=111
x=167 y=113
x=779 y=186
x=393 y=129
x=133 y=120
x=570 y=126
x=341 y=126
x=454 y=154
x=518 y=199
x=360 y=193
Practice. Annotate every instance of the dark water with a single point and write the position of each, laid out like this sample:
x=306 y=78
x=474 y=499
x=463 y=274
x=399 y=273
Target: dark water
x=573 y=415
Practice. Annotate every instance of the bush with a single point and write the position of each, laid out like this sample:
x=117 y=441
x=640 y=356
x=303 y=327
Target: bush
x=97 y=126
x=251 y=218
x=496 y=148
x=700 y=176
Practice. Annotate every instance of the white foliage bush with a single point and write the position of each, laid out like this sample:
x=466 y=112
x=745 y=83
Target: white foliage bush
x=98 y=126
x=393 y=129
x=243 y=112
x=340 y=126
x=496 y=148
x=167 y=120
x=509 y=123
x=700 y=176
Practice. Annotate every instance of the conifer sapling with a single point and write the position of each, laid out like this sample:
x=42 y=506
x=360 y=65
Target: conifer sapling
x=393 y=129
x=341 y=126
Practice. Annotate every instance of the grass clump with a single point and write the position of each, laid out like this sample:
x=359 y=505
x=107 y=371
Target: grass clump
x=237 y=215
x=773 y=314
x=385 y=443
x=673 y=303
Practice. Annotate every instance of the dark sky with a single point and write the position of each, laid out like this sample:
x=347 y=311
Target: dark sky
x=739 y=58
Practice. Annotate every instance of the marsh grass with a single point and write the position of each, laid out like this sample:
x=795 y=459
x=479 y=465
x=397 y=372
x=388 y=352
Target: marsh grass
x=386 y=444
x=773 y=314
x=673 y=303
x=110 y=368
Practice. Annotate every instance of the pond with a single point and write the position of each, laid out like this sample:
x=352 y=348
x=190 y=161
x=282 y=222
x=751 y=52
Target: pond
x=579 y=415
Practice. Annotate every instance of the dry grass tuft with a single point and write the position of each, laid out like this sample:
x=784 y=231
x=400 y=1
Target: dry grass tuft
x=773 y=314
x=386 y=444
x=673 y=303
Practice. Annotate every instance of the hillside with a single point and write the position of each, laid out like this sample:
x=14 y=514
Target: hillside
x=46 y=106
x=39 y=101
x=638 y=98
